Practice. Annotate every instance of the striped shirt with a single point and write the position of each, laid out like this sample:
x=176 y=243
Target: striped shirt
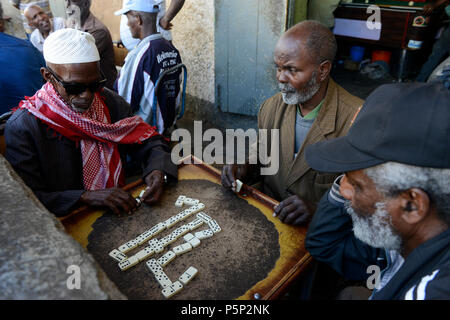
x=137 y=79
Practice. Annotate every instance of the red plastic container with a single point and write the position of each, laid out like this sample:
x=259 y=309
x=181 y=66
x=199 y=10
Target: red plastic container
x=381 y=55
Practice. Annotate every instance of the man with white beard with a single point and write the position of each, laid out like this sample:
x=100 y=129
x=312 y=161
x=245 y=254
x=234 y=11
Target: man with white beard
x=386 y=220
x=311 y=107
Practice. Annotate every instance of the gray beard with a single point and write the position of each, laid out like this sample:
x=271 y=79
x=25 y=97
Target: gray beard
x=376 y=229
x=297 y=97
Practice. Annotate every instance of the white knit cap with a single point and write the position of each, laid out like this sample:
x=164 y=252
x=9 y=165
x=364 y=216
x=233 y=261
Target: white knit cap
x=66 y=46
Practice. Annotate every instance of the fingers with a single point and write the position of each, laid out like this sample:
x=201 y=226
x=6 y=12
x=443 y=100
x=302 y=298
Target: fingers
x=153 y=193
x=282 y=205
x=286 y=211
x=232 y=172
x=291 y=211
x=120 y=201
x=155 y=188
x=227 y=177
x=302 y=219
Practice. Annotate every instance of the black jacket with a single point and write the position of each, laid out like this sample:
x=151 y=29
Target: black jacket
x=51 y=165
x=425 y=274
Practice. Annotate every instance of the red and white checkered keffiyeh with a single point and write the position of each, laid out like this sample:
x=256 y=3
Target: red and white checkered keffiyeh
x=98 y=137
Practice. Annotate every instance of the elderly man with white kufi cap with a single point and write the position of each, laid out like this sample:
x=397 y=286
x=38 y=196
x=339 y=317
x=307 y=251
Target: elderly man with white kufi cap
x=68 y=142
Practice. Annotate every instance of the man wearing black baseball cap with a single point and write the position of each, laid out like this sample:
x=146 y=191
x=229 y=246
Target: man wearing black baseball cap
x=386 y=220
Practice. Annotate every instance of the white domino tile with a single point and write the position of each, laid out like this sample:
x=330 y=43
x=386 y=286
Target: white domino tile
x=144 y=253
x=161 y=226
x=190 y=201
x=183 y=248
x=181 y=231
x=186 y=213
x=177 y=286
x=214 y=226
x=163 y=279
x=154 y=266
x=181 y=216
x=168 y=292
x=172 y=289
x=204 y=234
x=188 y=275
x=204 y=217
x=130 y=262
x=156 y=245
x=146 y=236
x=153 y=231
x=117 y=255
x=171 y=222
x=128 y=246
x=197 y=208
x=195 y=224
x=238 y=185
x=166 y=258
x=180 y=201
x=168 y=239
x=188 y=237
x=195 y=242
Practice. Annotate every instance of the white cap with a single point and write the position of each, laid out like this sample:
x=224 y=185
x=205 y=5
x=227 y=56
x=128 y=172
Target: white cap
x=66 y=46
x=151 y=6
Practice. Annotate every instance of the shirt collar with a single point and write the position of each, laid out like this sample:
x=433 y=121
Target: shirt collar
x=313 y=114
x=146 y=40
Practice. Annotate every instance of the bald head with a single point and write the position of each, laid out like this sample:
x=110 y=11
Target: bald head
x=38 y=19
x=304 y=56
x=315 y=38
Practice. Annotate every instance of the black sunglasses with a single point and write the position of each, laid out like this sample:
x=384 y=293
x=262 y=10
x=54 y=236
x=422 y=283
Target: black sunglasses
x=78 y=88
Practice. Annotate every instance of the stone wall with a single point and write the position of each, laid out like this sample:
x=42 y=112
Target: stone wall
x=36 y=252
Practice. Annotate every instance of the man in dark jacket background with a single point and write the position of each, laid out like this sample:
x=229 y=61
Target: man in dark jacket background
x=386 y=220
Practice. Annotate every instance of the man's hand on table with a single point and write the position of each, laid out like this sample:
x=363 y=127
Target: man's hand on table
x=155 y=187
x=115 y=199
x=120 y=201
x=231 y=172
x=292 y=210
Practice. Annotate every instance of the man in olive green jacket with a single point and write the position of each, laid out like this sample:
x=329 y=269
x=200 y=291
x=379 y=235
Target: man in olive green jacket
x=310 y=108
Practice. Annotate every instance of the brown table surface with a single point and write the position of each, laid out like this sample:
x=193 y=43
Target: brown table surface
x=293 y=259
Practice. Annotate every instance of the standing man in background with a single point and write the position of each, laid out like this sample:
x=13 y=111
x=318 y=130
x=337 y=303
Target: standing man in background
x=163 y=23
x=89 y=23
x=144 y=64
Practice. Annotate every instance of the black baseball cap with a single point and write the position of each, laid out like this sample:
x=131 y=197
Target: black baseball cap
x=405 y=123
